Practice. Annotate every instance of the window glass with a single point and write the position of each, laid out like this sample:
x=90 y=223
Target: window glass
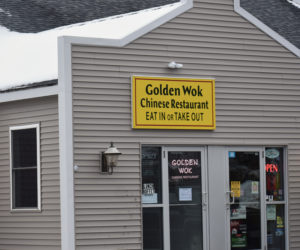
x=24 y=168
x=152 y=228
x=185 y=199
x=274 y=174
x=151 y=175
x=245 y=213
x=275 y=214
x=24 y=148
x=184 y=177
x=186 y=227
x=275 y=227
x=25 y=188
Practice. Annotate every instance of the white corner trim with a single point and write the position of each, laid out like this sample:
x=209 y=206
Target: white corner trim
x=28 y=93
x=252 y=19
x=66 y=145
x=184 y=6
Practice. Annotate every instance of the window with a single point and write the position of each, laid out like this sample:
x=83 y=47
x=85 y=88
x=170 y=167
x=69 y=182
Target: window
x=275 y=198
x=25 y=167
x=152 y=195
x=257 y=194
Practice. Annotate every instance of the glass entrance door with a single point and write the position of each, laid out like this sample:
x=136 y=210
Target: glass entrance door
x=244 y=200
x=245 y=207
x=174 y=198
x=185 y=200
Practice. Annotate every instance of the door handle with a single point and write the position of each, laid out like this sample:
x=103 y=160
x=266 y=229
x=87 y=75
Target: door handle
x=233 y=197
x=204 y=199
x=231 y=194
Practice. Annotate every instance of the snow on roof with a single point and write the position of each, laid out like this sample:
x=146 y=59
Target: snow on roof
x=27 y=58
x=33 y=16
x=296 y=3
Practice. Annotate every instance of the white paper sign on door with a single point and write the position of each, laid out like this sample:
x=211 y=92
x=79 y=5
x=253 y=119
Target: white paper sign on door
x=185 y=194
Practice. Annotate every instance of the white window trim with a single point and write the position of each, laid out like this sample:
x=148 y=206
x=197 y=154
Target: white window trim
x=14 y=128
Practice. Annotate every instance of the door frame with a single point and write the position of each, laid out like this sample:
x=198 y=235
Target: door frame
x=204 y=186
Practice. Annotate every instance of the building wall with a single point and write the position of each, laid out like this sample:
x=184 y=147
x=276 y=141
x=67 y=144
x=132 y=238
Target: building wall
x=257 y=103
x=31 y=230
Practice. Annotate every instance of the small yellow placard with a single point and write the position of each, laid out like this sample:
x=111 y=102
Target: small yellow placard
x=236 y=189
x=173 y=103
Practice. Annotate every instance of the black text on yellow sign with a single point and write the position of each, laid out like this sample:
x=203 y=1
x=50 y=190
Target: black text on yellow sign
x=173 y=103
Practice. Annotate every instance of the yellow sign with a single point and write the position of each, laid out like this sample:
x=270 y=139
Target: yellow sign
x=236 y=189
x=173 y=103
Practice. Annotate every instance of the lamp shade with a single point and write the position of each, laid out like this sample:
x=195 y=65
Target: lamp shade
x=112 y=155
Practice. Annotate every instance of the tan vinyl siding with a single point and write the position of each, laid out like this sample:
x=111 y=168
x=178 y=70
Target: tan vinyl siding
x=31 y=230
x=257 y=103
x=294 y=194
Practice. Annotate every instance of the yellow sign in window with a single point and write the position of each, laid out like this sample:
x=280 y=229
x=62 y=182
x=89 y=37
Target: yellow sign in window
x=173 y=103
x=235 y=189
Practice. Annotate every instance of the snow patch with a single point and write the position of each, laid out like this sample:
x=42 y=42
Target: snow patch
x=5 y=12
x=296 y=3
x=32 y=57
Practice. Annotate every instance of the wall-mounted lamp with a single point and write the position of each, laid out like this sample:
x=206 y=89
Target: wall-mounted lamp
x=175 y=65
x=109 y=159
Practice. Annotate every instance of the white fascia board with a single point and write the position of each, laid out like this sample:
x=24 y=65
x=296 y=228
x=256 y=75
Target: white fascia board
x=28 y=93
x=185 y=5
x=66 y=115
x=252 y=19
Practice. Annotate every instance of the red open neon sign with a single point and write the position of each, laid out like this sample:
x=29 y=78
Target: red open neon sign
x=271 y=168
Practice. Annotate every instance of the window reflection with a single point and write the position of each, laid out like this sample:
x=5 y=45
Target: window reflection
x=275 y=227
x=186 y=227
x=274 y=174
x=274 y=169
x=184 y=177
x=245 y=226
x=151 y=173
x=152 y=228
x=185 y=200
x=24 y=168
x=152 y=194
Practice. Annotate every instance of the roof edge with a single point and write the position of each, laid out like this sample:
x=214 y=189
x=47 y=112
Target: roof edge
x=8 y=96
x=30 y=86
x=29 y=93
x=184 y=6
x=259 y=24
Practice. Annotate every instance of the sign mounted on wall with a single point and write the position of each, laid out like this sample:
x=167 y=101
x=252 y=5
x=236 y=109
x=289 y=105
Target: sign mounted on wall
x=173 y=103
